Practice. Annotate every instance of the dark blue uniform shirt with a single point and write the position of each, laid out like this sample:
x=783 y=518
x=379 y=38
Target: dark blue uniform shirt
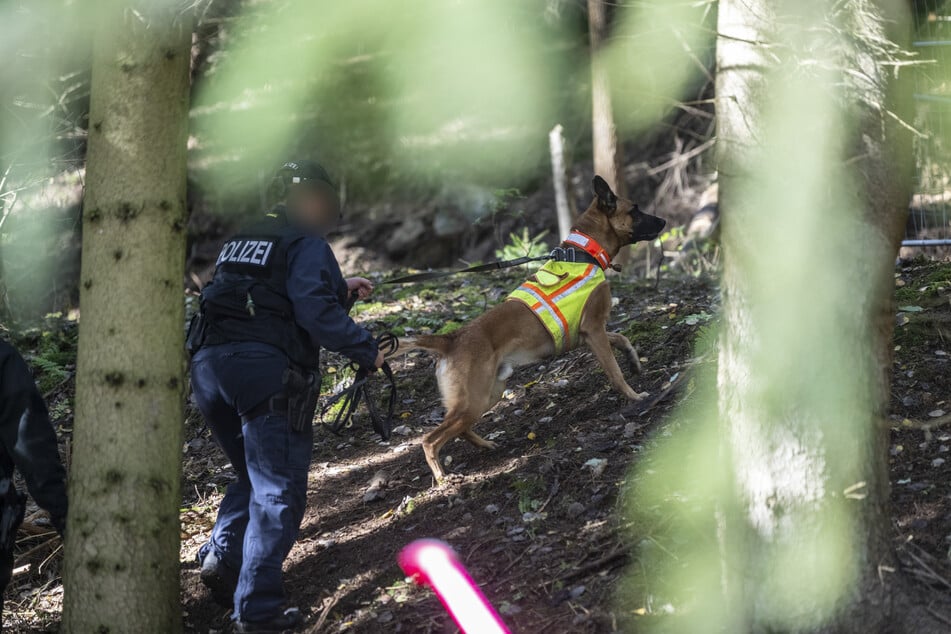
x=318 y=291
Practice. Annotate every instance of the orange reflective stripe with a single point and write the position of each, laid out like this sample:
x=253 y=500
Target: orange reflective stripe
x=559 y=305
x=553 y=307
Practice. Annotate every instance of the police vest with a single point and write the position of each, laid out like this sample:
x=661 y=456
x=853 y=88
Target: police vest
x=557 y=294
x=247 y=298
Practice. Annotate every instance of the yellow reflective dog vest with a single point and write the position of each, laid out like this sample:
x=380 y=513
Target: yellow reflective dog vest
x=557 y=294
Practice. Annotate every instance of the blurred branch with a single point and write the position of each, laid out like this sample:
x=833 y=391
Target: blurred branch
x=682 y=158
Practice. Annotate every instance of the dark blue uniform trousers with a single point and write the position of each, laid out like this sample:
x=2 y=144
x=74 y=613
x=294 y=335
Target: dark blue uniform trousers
x=260 y=515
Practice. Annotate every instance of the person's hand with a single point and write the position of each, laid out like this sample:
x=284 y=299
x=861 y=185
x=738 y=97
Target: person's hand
x=379 y=360
x=361 y=286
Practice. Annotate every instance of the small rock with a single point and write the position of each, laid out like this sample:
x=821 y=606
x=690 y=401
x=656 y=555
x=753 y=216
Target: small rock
x=492 y=509
x=377 y=485
x=509 y=609
x=575 y=509
x=515 y=530
x=402 y=430
x=577 y=591
x=372 y=495
x=943 y=449
x=596 y=465
x=379 y=480
x=561 y=383
x=909 y=401
x=630 y=430
x=531 y=516
x=936 y=413
x=937 y=462
x=544 y=420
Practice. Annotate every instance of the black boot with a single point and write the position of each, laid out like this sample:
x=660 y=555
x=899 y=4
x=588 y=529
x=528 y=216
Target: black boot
x=220 y=578
x=288 y=621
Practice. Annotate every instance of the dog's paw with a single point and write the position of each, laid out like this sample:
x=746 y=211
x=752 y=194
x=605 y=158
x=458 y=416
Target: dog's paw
x=637 y=396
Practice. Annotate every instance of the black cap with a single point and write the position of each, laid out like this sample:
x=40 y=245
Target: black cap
x=296 y=172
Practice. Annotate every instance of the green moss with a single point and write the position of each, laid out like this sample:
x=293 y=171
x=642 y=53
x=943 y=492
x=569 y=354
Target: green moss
x=367 y=307
x=645 y=332
x=906 y=295
x=940 y=276
x=448 y=327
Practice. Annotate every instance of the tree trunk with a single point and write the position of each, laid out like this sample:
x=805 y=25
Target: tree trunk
x=814 y=188
x=564 y=206
x=603 y=130
x=604 y=141
x=122 y=546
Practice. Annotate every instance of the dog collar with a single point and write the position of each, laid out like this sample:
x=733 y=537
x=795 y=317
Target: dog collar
x=590 y=246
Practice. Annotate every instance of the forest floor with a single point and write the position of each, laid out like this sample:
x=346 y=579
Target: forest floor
x=542 y=522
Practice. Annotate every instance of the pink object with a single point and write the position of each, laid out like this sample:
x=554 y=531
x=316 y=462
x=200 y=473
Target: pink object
x=434 y=562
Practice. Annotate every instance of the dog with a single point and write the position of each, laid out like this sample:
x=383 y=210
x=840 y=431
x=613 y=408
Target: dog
x=475 y=360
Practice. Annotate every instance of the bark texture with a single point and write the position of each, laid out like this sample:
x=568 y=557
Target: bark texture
x=564 y=204
x=122 y=546
x=604 y=140
x=607 y=160
x=815 y=179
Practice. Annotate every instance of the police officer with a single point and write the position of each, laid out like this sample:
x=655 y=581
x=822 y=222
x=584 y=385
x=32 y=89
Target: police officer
x=28 y=444
x=277 y=296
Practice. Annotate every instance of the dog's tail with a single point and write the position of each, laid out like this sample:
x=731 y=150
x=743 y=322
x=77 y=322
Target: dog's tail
x=440 y=344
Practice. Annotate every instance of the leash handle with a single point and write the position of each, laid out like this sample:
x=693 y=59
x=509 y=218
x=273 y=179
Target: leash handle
x=357 y=391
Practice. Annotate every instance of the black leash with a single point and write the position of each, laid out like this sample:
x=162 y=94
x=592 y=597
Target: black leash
x=351 y=396
x=560 y=254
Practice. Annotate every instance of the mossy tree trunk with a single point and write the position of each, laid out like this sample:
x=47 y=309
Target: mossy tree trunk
x=122 y=546
x=815 y=182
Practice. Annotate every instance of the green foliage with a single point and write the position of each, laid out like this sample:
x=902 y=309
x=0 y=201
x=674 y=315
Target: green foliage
x=50 y=373
x=448 y=327
x=523 y=245
x=529 y=491
x=50 y=350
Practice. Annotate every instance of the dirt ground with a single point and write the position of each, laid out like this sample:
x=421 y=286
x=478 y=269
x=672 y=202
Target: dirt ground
x=539 y=520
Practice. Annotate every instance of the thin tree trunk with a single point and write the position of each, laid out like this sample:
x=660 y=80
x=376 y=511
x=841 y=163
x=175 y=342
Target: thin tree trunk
x=559 y=170
x=603 y=129
x=122 y=543
x=814 y=187
x=604 y=139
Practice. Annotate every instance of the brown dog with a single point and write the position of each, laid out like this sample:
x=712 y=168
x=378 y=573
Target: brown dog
x=477 y=358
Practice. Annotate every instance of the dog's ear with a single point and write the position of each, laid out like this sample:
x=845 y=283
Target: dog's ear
x=607 y=200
